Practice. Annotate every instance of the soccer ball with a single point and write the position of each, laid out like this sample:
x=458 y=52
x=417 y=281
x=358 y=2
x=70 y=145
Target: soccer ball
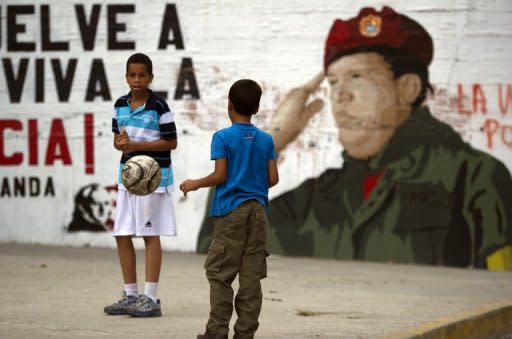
x=141 y=175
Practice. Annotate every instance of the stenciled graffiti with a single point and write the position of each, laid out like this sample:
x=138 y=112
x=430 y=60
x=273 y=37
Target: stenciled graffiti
x=410 y=190
x=94 y=209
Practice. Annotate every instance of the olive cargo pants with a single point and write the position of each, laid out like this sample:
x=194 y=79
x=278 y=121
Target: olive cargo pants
x=238 y=247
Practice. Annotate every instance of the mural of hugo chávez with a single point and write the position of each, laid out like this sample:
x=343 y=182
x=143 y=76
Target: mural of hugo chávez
x=410 y=189
x=94 y=209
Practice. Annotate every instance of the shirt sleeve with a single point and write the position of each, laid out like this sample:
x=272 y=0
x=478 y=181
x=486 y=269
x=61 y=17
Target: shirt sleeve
x=272 y=155
x=489 y=188
x=218 y=147
x=167 y=125
x=115 y=126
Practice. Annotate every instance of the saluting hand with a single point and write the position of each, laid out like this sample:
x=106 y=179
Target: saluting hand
x=292 y=115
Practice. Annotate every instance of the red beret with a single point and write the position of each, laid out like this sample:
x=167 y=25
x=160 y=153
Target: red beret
x=372 y=29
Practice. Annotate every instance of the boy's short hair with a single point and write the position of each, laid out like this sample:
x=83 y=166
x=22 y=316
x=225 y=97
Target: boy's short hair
x=140 y=58
x=245 y=96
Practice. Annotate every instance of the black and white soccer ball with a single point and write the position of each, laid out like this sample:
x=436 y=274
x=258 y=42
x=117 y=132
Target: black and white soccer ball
x=141 y=175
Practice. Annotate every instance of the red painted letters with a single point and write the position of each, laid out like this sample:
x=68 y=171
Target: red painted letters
x=15 y=158
x=57 y=148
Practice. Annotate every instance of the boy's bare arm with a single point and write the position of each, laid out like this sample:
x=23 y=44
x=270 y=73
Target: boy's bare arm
x=273 y=174
x=218 y=176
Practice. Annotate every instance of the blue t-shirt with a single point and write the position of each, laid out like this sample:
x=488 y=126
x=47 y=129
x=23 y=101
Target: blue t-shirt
x=247 y=151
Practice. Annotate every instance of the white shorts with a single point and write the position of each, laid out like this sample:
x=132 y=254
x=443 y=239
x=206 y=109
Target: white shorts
x=148 y=215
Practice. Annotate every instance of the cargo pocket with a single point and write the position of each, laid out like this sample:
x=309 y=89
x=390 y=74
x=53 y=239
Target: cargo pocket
x=260 y=223
x=263 y=268
x=423 y=207
x=215 y=258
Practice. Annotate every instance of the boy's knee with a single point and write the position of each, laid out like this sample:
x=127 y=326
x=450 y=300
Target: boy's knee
x=215 y=258
x=123 y=239
x=151 y=239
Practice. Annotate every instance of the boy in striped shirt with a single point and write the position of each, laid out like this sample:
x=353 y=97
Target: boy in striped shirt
x=143 y=125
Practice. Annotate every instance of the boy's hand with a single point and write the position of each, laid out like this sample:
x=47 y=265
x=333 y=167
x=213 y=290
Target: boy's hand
x=189 y=185
x=124 y=143
x=121 y=140
x=129 y=147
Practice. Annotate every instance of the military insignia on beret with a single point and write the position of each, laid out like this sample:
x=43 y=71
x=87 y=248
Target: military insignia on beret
x=370 y=26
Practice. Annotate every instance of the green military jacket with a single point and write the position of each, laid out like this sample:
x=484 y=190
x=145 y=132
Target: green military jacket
x=438 y=201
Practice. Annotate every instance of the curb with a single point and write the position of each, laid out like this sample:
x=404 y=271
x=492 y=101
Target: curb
x=489 y=321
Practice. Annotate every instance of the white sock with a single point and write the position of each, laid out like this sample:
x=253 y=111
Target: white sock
x=150 y=289
x=131 y=289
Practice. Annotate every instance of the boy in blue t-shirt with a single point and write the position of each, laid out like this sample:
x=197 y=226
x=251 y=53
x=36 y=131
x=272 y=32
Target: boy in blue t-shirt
x=245 y=168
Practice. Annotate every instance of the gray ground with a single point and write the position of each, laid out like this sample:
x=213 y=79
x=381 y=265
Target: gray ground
x=60 y=292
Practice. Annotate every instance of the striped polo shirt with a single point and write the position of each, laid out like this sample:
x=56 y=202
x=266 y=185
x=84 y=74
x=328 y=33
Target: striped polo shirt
x=149 y=122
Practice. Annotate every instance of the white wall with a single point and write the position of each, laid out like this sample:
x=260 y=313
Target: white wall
x=277 y=43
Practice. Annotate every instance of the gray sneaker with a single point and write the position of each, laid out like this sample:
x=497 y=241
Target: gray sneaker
x=145 y=307
x=121 y=306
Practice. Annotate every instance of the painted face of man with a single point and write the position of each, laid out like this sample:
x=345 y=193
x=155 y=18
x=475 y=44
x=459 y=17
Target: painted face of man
x=366 y=102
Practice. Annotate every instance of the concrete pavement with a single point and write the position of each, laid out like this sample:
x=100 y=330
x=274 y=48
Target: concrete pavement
x=60 y=292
